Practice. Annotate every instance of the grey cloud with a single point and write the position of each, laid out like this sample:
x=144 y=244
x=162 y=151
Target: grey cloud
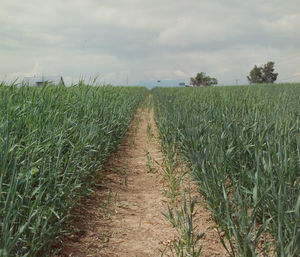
x=148 y=39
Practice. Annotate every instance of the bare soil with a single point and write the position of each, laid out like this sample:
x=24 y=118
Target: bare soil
x=124 y=216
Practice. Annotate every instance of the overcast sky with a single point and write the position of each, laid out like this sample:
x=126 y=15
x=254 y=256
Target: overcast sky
x=148 y=39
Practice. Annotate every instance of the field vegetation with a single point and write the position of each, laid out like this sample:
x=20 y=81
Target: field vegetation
x=53 y=140
x=243 y=148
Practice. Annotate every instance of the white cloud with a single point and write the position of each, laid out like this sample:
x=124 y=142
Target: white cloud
x=142 y=39
x=286 y=24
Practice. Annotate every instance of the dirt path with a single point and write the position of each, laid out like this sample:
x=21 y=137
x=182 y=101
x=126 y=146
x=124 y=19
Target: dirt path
x=124 y=216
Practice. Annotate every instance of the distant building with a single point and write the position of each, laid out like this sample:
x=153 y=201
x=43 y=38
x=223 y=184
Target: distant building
x=40 y=81
x=163 y=83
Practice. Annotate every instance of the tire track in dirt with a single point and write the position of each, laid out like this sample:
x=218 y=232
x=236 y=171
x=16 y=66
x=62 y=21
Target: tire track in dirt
x=124 y=216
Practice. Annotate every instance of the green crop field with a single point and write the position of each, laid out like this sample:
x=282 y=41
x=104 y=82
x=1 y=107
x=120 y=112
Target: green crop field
x=243 y=146
x=52 y=140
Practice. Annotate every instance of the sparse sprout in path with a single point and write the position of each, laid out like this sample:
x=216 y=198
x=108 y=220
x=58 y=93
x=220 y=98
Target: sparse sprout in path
x=125 y=175
x=187 y=243
x=149 y=162
x=149 y=132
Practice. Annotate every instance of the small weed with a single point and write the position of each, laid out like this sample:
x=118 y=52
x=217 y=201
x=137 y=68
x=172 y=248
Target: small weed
x=108 y=208
x=125 y=175
x=105 y=206
x=174 y=178
x=132 y=142
x=137 y=123
x=149 y=163
x=187 y=243
x=149 y=132
x=105 y=237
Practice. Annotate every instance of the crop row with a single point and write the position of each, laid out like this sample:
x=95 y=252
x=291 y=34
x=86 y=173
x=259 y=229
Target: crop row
x=243 y=146
x=52 y=141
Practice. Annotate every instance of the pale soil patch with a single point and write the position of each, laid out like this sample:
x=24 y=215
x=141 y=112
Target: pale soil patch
x=124 y=216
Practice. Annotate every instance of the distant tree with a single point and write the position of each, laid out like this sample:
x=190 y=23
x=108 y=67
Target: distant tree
x=255 y=75
x=202 y=79
x=263 y=74
x=268 y=73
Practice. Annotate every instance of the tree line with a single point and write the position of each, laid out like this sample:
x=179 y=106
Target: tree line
x=262 y=74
